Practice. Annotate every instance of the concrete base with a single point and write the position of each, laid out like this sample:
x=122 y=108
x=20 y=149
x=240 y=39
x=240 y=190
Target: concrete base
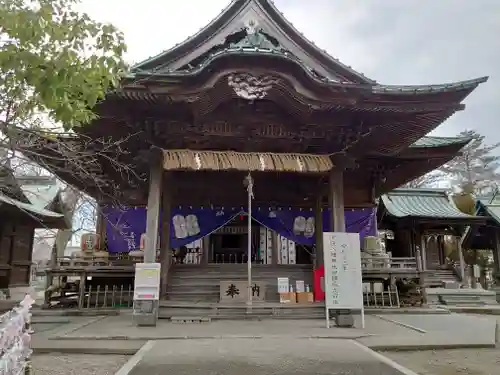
x=145 y=313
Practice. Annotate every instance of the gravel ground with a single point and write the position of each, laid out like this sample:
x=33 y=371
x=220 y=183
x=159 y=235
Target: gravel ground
x=77 y=364
x=450 y=362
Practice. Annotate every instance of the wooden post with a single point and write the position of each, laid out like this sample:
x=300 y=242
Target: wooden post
x=81 y=291
x=318 y=231
x=461 y=259
x=496 y=252
x=165 y=251
x=275 y=251
x=205 y=252
x=423 y=249
x=100 y=228
x=153 y=214
x=336 y=189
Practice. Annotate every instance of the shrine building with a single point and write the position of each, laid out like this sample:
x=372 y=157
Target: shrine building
x=249 y=100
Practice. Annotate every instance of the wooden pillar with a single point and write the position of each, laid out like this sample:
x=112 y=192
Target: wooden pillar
x=461 y=259
x=153 y=214
x=336 y=200
x=81 y=291
x=318 y=231
x=100 y=228
x=423 y=250
x=496 y=252
x=275 y=251
x=205 y=255
x=165 y=250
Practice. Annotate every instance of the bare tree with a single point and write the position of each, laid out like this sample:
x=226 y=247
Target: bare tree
x=476 y=168
x=428 y=180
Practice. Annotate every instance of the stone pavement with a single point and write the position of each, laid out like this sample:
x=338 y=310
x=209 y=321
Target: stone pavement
x=268 y=356
x=268 y=346
x=123 y=328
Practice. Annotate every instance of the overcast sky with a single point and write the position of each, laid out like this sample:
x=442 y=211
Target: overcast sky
x=391 y=41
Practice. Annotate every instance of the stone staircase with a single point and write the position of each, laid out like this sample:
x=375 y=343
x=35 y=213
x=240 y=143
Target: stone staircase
x=215 y=311
x=194 y=283
x=437 y=278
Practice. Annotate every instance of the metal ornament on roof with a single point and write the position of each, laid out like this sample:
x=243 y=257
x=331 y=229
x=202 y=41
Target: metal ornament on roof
x=245 y=85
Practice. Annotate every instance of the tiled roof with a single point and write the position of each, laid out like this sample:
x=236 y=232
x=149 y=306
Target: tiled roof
x=422 y=203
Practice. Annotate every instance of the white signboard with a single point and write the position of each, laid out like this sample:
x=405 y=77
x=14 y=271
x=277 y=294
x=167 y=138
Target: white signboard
x=300 y=286
x=343 y=276
x=147 y=281
x=283 y=285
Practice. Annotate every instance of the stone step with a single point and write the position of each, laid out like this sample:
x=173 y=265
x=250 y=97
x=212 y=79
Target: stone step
x=194 y=286
x=237 y=272
x=462 y=297
x=241 y=313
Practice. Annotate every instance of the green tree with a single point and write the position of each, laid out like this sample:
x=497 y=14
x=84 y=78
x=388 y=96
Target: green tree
x=54 y=61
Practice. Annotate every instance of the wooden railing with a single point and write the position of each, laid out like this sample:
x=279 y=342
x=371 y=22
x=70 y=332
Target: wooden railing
x=367 y=263
x=377 y=262
x=118 y=260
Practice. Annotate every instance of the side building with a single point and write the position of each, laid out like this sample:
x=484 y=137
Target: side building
x=25 y=205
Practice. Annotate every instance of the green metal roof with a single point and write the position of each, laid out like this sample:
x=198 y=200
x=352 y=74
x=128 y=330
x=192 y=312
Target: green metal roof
x=429 y=142
x=422 y=203
x=41 y=195
x=29 y=208
x=491 y=207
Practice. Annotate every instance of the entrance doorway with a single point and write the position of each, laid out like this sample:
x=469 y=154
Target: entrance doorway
x=229 y=244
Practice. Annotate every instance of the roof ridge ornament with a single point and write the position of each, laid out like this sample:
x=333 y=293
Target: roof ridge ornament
x=255 y=38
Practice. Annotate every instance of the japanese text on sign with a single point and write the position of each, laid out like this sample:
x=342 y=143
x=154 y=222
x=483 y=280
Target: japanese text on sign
x=343 y=280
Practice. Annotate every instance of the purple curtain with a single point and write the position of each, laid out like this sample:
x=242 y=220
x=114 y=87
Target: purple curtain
x=124 y=226
x=298 y=225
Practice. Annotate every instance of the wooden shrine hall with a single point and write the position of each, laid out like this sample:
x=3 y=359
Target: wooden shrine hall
x=249 y=94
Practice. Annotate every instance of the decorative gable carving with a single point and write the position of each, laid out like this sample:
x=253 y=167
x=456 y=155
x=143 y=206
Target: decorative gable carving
x=251 y=24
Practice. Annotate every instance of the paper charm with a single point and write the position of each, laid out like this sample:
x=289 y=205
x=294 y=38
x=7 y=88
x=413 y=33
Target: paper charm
x=180 y=229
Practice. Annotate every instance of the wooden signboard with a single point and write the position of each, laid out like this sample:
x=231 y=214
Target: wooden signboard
x=237 y=291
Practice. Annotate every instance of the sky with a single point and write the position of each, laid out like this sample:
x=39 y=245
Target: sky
x=391 y=41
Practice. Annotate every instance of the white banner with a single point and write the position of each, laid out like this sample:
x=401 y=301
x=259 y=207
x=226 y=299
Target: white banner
x=343 y=276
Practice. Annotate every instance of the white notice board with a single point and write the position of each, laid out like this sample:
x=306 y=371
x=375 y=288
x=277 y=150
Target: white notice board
x=343 y=276
x=147 y=281
x=283 y=285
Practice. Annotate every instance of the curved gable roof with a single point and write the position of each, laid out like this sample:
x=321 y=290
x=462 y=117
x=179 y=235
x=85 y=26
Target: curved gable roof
x=232 y=19
x=422 y=203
